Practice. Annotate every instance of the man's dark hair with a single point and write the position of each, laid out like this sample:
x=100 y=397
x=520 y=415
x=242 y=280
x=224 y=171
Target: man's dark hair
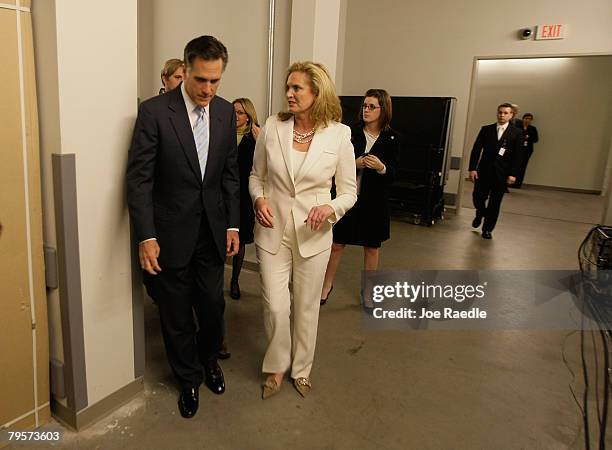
x=505 y=105
x=527 y=115
x=208 y=48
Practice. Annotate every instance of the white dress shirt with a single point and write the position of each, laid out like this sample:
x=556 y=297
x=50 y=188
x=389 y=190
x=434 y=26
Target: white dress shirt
x=501 y=129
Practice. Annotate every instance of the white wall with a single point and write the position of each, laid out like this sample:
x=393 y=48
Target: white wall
x=570 y=99
x=86 y=65
x=428 y=48
x=165 y=27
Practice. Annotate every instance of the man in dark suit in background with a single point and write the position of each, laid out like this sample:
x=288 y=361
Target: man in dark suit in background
x=183 y=197
x=494 y=164
x=530 y=137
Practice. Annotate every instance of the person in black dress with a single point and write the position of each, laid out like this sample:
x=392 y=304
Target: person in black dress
x=247 y=130
x=530 y=137
x=376 y=151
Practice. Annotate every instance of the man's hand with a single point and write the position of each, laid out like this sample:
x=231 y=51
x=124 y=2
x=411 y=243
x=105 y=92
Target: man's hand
x=511 y=179
x=233 y=243
x=263 y=213
x=148 y=252
x=473 y=175
x=317 y=215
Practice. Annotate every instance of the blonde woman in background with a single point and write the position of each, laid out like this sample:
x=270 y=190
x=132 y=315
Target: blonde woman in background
x=297 y=154
x=247 y=130
x=172 y=74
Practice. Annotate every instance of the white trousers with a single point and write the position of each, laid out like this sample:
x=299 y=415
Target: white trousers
x=285 y=349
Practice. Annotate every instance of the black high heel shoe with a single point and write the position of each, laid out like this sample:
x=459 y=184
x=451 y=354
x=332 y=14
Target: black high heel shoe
x=367 y=309
x=234 y=290
x=324 y=300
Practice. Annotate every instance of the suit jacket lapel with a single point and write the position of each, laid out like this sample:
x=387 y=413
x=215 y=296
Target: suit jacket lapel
x=314 y=151
x=284 y=130
x=182 y=127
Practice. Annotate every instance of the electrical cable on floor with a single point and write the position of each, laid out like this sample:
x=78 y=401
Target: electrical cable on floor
x=596 y=376
x=603 y=424
x=585 y=400
x=594 y=264
x=567 y=365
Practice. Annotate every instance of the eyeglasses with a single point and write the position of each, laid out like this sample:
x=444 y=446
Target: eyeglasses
x=368 y=106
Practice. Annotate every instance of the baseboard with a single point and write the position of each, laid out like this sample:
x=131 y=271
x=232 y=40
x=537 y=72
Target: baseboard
x=557 y=188
x=82 y=419
x=563 y=189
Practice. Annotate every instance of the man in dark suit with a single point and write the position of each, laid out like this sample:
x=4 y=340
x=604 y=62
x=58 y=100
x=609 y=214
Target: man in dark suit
x=530 y=137
x=183 y=197
x=494 y=164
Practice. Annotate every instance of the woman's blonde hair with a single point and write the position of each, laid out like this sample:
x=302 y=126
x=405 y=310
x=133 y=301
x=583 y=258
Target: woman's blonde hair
x=249 y=109
x=326 y=106
x=171 y=66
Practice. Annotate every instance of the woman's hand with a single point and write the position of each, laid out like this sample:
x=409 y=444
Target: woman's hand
x=255 y=130
x=318 y=215
x=359 y=162
x=263 y=213
x=372 y=162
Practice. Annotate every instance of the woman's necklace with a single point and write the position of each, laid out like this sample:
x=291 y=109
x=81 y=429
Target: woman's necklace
x=303 y=138
x=372 y=136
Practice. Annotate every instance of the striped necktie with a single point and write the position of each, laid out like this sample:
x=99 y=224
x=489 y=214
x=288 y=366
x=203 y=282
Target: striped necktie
x=200 y=135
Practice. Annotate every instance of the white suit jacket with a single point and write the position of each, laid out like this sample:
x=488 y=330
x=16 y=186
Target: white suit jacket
x=330 y=155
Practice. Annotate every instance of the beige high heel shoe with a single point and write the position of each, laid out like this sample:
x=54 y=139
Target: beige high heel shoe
x=269 y=388
x=302 y=385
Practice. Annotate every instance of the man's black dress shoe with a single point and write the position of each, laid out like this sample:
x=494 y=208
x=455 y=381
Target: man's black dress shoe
x=477 y=221
x=234 y=290
x=224 y=352
x=487 y=235
x=213 y=377
x=188 y=402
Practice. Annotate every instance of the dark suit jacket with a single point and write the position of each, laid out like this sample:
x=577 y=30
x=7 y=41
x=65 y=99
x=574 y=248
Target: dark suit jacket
x=530 y=135
x=167 y=197
x=485 y=157
x=374 y=218
x=373 y=185
x=246 y=150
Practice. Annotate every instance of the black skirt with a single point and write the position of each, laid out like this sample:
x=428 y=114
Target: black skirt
x=366 y=224
x=247 y=219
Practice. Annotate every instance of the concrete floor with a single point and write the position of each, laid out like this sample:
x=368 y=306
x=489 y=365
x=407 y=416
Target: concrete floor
x=375 y=389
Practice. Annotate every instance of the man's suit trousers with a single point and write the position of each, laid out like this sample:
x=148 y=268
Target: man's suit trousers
x=287 y=350
x=179 y=292
x=487 y=196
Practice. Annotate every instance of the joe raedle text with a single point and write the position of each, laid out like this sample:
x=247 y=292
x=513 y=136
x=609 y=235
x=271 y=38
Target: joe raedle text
x=424 y=313
x=428 y=301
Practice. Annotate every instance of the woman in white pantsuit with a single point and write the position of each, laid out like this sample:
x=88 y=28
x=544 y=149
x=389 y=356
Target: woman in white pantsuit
x=297 y=154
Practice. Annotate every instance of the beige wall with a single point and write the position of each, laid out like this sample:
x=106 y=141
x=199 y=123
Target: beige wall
x=428 y=48
x=86 y=56
x=570 y=99
x=165 y=27
x=282 y=48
